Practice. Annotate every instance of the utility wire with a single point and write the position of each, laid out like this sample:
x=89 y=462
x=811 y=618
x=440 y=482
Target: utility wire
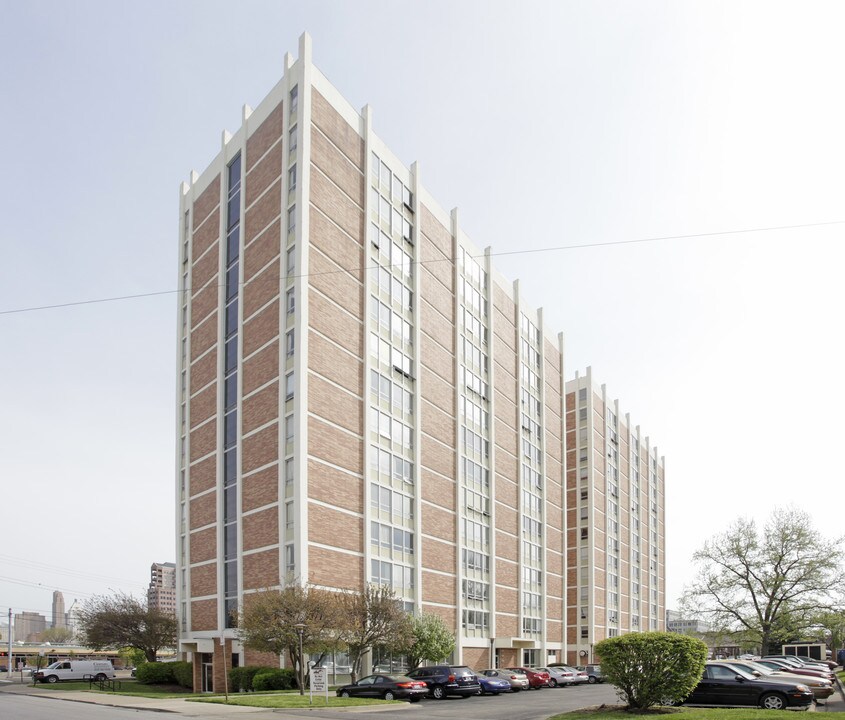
x=426 y=262
x=37 y=565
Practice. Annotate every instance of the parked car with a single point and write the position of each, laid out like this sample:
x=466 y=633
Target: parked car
x=594 y=673
x=76 y=670
x=822 y=689
x=797 y=669
x=445 y=680
x=536 y=678
x=518 y=681
x=578 y=675
x=799 y=662
x=389 y=687
x=558 y=677
x=723 y=684
x=493 y=685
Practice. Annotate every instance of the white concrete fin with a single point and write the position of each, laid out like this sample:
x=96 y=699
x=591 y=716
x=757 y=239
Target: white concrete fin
x=288 y=61
x=224 y=138
x=184 y=187
x=245 y=112
x=367 y=114
x=305 y=48
x=194 y=176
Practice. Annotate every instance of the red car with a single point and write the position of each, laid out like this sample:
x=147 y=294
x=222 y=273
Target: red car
x=789 y=667
x=536 y=678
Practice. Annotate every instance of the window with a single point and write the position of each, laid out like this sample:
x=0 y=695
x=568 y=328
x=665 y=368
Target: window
x=289 y=386
x=294 y=100
x=290 y=301
x=292 y=178
x=291 y=262
x=290 y=343
x=583 y=533
x=292 y=220
x=292 y=143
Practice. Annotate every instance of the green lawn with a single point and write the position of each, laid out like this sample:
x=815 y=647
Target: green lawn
x=692 y=714
x=291 y=700
x=126 y=687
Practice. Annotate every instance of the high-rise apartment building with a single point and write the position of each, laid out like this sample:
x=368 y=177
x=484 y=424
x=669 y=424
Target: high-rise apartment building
x=362 y=397
x=161 y=593
x=29 y=626
x=59 y=617
x=616 y=524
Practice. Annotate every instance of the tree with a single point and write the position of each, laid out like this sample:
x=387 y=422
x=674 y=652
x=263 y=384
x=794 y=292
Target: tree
x=766 y=586
x=830 y=628
x=652 y=668
x=372 y=617
x=268 y=622
x=120 y=620
x=430 y=640
x=56 y=635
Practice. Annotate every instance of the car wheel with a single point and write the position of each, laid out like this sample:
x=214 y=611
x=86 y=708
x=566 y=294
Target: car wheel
x=345 y=693
x=591 y=680
x=438 y=692
x=389 y=695
x=552 y=683
x=773 y=701
x=100 y=677
x=52 y=679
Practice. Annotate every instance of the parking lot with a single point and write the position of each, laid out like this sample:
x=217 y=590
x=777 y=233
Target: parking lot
x=525 y=705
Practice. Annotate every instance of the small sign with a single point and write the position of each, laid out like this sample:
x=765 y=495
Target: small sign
x=319 y=683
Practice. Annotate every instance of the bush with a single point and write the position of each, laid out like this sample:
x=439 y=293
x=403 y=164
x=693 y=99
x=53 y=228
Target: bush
x=240 y=678
x=274 y=679
x=236 y=679
x=652 y=668
x=183 y=673
x=156 y=673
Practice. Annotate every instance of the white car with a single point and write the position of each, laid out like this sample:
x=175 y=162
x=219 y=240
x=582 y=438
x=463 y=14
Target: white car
x=76 y=670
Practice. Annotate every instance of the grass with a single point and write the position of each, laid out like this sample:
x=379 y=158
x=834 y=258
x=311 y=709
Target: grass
x=616 y=713
x=292 y=700
x=127 y=687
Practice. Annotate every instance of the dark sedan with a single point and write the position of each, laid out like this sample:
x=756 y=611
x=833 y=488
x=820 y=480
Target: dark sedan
x=536 y=678
x=725 y=685
x=389 y=687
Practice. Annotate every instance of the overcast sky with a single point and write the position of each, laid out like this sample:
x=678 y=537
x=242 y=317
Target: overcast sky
x=547 y=123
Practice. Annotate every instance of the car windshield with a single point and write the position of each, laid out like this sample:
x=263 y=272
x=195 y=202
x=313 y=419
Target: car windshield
x=399 y=678
x=742 y=672
x=762 y=669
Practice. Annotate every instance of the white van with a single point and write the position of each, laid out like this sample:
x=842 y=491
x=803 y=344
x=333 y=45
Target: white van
x=76 y=670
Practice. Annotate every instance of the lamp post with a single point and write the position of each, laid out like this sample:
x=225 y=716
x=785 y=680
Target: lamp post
x=300 y=630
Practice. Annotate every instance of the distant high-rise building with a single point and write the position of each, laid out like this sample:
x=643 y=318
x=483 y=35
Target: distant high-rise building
x=59 y=617
x=616 y=544
x=29 y=626
x=72 y=617
x=161 y=594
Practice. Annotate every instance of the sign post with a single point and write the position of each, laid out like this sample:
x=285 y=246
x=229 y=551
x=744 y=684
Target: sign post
x=319 y=683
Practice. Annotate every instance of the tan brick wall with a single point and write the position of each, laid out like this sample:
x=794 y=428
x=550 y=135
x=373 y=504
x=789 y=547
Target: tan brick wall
x=262 y=137
x=437 y=391
x=260 y=329
x=439 y=523
x=204 y=336
x=445 y=613
x=507 y=519
x=439 y=235
x=507 y=600
x=203 y=440
x=335 y=446
x=334 y=323
x=206 y=234
x=437 y=359
x=335 y=405
x=437 y=457
x=506 y=437
x=335 y=569
x=262 y=250
x=437 y=295
x=506 y=573
x=261 y=528
x=334 y=364
x=203 y=304
x=203 y=405
x=506 y=626
x=507 y=546
x=329 y=239
x=437 y=424
x=205 y=268
x=261 y=407
x=263 y=288
x=437 y=490
x=261 y=448
x=436 y=326
x=203 y=615
x=335 y=283
x=331 y=485
x=203 y=545
x=203 y=371
x=260 y=488
x=263 y=175
x=332 y=527
x=476 y=657
x=203 y=475
x=337 y=167
x=261 y=368
x=261 y=569
x=207 y=201
x=203 y=580
x=440 y=264
x=438 y=588
x=344 y=136
x=334 y=204
x=437 y=555
x=265 y=210
x=203 y=510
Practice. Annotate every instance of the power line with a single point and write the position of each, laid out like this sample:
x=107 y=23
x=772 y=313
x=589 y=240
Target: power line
x=359 y=269
x=37 y=565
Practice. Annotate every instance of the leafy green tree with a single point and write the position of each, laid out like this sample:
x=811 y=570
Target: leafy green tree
x=372 y=617
x=766 y=586
x=120 y=621
x=57 y=635
x=131 y=657
x=430 y=639
x=268 y=621
x=652 y=668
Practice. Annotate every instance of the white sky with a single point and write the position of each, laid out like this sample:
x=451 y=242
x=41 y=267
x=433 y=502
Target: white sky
x=546 y=123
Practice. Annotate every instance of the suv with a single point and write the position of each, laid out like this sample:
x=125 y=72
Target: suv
x=445 y=680
x=594 y=673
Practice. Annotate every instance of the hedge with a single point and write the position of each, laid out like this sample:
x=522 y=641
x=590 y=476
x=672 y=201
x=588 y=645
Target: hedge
x=274 y=679
x=240 y=678
x=166 y=673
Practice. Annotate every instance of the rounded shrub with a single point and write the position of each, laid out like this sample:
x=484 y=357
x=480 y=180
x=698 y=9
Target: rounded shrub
x=274 y=679
x=156 y=673
x=183 y=673
x=652 y=668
